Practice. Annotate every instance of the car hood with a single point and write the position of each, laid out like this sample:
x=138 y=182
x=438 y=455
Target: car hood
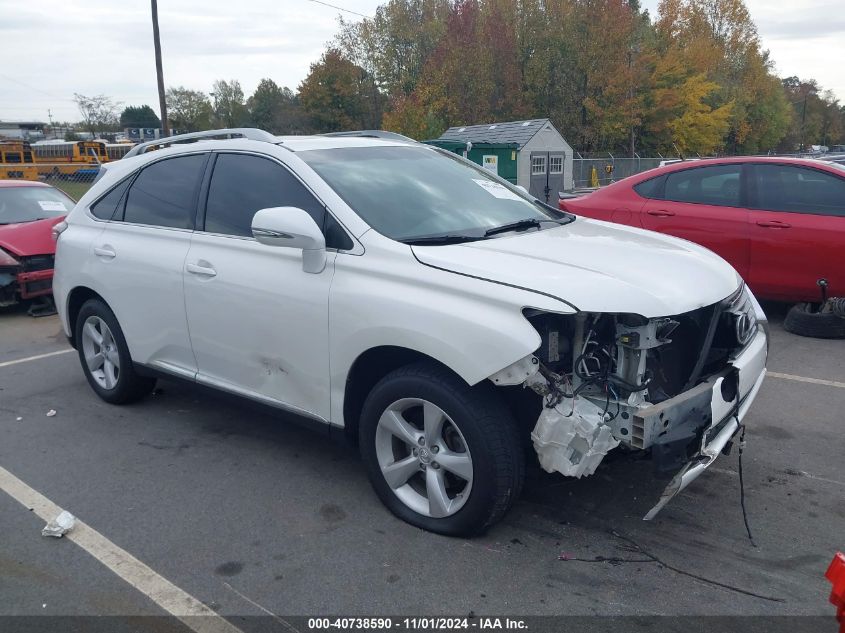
x=596 y=267
x=29 y=238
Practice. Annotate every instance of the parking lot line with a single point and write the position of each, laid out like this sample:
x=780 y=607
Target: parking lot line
x=814 y=381
x=36 y=357
x=143 y=578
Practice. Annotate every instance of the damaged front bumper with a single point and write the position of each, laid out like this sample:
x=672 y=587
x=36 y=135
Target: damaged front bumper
x=16 y=284
x=730 y=395
x=685 y=433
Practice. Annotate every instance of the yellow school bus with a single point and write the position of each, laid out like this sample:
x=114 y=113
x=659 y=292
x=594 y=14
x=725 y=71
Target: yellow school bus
x=116 y=151
x=17 y=161
x=79 y=160
x=70 y=152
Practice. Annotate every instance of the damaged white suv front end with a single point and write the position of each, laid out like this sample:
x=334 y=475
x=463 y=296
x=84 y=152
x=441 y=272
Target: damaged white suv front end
x=678 y=386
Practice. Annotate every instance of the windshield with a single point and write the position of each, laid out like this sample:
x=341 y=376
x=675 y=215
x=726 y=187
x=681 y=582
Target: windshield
x=408 y=193
x=27 y=204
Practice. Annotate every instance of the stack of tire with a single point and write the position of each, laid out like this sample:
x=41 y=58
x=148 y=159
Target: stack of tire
x=826 y=320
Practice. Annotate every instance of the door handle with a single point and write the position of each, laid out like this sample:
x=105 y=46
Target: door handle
x=105 y=251
x=661 y=213
x=773 y=224
x=202 y=270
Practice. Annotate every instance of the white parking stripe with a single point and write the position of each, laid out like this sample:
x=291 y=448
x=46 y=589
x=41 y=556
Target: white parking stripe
x=157 y=588
x=36 y=357
x=814 y=381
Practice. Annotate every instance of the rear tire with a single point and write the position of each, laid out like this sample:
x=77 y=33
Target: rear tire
x=423 y=413
x=105 y=357
x=809 y=319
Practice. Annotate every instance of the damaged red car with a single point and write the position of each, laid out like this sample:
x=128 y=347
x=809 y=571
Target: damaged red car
x=28 y=212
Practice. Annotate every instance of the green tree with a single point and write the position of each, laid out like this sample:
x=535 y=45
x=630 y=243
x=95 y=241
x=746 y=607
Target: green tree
x=139 y=116
x=276 y=109
x=188 y=110
x=264 y=104
x=339 y=95
x=229 y=107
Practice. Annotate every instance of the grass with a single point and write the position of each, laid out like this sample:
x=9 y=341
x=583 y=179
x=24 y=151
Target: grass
x=74 y=189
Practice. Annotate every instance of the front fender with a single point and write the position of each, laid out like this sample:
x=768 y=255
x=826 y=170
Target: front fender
x=475 y=327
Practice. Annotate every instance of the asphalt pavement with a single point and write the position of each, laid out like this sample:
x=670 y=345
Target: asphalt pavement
x=250 y=514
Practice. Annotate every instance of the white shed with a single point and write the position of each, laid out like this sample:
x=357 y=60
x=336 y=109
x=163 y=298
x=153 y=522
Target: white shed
x=543 y=157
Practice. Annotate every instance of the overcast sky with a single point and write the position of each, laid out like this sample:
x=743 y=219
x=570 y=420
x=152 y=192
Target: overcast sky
x=58 y=47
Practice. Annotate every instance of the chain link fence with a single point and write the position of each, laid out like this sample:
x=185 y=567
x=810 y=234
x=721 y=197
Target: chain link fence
x=71 y=166
x=597 y=172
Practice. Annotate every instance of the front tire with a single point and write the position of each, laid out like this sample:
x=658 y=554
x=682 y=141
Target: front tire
x=105 y=357
x=441 y=455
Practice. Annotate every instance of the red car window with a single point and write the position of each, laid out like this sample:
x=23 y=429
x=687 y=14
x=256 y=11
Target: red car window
x=717 y=185
x=799 y=190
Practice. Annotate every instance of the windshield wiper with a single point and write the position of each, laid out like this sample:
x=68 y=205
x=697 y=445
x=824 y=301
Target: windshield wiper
x=565 y=218
x=527 y=223
x=439 y=239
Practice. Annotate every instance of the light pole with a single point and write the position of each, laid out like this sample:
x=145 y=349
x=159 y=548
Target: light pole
x=162 y=103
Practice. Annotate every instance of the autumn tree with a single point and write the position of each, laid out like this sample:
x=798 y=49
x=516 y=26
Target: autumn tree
x=396 y=43
x=339 y=95
x=717 y=38
x=188 y=110
x=606 y=74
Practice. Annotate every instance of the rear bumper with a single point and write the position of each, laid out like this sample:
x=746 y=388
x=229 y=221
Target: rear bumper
x=748 y=370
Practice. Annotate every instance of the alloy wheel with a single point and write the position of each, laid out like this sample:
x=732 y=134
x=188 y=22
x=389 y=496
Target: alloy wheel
x=423 y=457
x=100 y=351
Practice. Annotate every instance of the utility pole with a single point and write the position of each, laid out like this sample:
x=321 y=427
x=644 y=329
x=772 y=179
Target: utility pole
x=804 y=118
x=162 y=103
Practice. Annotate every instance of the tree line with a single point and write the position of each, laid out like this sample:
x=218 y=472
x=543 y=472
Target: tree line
x=694 y=78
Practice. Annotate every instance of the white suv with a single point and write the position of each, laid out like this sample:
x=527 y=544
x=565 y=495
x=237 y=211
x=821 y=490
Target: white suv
x=435 y=313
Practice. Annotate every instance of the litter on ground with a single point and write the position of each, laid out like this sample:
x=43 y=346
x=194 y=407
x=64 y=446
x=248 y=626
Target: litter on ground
x=59 y=526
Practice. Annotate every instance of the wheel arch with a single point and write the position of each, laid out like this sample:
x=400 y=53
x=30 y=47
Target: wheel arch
x=366 y=371
x=75 y=300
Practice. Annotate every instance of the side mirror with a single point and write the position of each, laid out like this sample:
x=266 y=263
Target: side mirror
x=292 y=228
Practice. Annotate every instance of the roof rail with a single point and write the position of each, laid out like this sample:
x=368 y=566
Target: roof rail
x=392 y=136
x=251 y=133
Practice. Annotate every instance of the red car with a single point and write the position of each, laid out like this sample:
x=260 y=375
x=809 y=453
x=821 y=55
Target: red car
x=779 y=221
x=28 y=211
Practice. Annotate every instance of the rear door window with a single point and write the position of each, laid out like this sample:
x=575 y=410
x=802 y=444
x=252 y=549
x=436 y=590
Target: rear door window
x=799 y=190
x=165 y=193
x=717 y=185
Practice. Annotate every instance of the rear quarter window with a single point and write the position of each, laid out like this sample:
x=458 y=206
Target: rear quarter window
x=105 y=207
x=650 y=188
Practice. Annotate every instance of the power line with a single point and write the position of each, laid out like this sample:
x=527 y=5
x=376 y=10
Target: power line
x=333 y=6
x=44 y=92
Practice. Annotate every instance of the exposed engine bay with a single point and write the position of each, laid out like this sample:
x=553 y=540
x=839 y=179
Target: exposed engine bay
x=647 y=384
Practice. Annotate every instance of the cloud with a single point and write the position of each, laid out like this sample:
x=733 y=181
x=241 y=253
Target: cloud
x=103 y=46
x=59 y=47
